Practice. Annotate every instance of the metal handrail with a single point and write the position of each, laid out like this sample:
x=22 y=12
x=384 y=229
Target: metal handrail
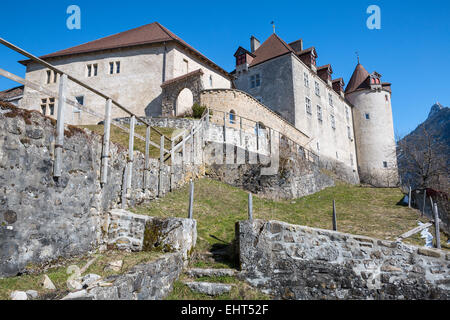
x=79 y=82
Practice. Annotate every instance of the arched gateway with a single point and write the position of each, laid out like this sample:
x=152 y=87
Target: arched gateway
x=175 y=97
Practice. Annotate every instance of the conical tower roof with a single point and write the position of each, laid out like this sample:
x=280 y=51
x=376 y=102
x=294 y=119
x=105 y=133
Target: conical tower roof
x=357 y=81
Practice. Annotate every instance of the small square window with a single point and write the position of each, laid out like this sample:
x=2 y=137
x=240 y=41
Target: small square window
x=385 y=164
x=367 y=116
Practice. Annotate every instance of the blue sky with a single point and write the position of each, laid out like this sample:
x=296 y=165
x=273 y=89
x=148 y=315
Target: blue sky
x=412 y=49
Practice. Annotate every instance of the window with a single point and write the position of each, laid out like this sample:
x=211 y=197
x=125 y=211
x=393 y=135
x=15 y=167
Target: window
x=330 y=99
x=386 y=97
x=95 y=70
x=118 y=67
x=92 y=70
x=349 y=132
x=317 y=89
x=385 y=164
x=306 y=78
x=255 y=81
x=111 y=68
x=319 y=113
x=49 y=76
x=333 y=121
x=347 y=113
x=80 y=100
x=48 y=104
x=51 y=106
x=367 y=116
x=232 y=117
x=308 y=106
x=185 y=66
x=240 y=60
x=211 y=81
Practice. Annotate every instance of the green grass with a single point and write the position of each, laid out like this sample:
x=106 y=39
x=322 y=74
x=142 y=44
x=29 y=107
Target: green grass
x=121 y=137
x=59 y=274
x=371 y=212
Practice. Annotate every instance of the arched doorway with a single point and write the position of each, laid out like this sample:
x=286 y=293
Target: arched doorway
x=184 y=102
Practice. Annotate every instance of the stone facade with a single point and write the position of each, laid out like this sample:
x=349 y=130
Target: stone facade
x=283 y=89
x=300 y=263
x=143 y=69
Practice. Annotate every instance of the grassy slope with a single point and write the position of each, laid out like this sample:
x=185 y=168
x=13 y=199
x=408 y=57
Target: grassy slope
x=121 y=137
x=217 y=206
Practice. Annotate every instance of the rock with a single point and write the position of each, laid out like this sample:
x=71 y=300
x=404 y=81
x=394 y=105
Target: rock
x=33 y=294
x=115 y=266
x=19 y=295
x=48 y=284
x=74 y=285
x=211 y=289
x=90 y=279
x=76 y=295
x=197 y=272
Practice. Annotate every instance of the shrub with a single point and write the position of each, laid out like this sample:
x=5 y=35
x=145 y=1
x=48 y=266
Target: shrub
x=198 y=110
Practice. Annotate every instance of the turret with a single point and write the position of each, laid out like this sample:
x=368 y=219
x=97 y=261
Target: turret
x=374 y=128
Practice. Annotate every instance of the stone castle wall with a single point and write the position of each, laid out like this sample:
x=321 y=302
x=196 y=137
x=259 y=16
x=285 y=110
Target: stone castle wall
x=301 y=263
x=42 y=219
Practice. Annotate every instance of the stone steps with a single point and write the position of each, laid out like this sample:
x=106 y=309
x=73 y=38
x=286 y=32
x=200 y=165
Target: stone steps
x=209 y=288
x=199 y=272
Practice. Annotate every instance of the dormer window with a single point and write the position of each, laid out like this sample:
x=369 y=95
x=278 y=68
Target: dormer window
x=241 y=59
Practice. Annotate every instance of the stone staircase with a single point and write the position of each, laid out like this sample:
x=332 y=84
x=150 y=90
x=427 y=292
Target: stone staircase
x=209 y=288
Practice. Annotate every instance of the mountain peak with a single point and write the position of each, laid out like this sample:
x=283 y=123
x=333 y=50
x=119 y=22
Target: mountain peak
x=435 y=109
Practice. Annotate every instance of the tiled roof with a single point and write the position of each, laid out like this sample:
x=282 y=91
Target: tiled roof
x=273 y=47
x=187 y=75
x=358 y=79
x=147 y=34
x=11 y=93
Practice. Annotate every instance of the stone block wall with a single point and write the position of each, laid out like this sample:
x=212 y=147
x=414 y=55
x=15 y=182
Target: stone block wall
x=133 y=232
x=298 y=263
x=42 y=219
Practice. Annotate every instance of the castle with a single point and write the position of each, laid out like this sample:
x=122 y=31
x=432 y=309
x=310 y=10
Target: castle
x=155 y=73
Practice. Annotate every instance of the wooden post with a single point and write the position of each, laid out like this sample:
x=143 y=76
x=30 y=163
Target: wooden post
x=161 y=163
x=59 y=143
x=147 y=156
x=424 y=201
x=184 y=149
x=106 y=137
x=124 y=186
x=191 y=200
x=172 y=164
x=334 y=216
x=409 y=197
x=225 y=127
x=193 y=146
x=250 y=206
x=131 y=151
x=240 y=131
x=436 y=225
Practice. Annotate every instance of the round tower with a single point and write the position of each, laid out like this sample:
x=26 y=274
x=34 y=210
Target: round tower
x=374 y=128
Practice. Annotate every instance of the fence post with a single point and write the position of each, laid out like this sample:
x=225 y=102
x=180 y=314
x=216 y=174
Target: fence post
x=225 y=127
x=106 y=137
x=131 y=151
x=172 y=164
x=240 y=131
x=193 y=146
x=250 y=206
x=191 y=200
x=409 y=197
x=184 y=149
x=147 y=155
x=424 y=201
x=334 y=216
x=436 y=225
x=124 y=186
x=59 y=143
x=161 y=163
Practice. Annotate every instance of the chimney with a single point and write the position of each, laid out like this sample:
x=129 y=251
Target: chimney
x=254 y=44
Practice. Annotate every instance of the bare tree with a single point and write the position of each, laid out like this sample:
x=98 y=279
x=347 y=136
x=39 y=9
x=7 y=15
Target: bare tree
x=421 y=161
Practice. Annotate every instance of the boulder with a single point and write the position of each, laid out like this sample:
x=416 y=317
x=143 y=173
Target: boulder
x=19 y=295
x=48 y=284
